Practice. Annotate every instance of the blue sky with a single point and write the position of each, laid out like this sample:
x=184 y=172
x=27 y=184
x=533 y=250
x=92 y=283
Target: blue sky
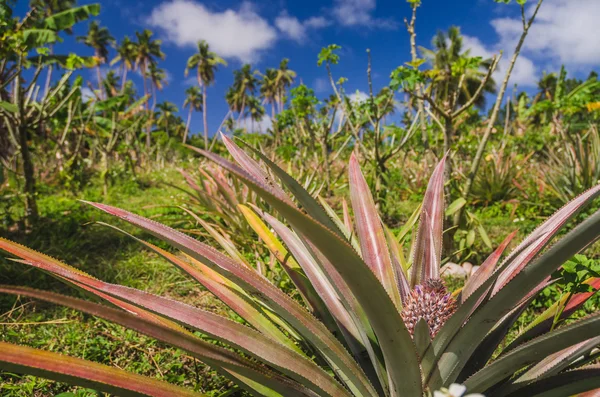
x=264 y=32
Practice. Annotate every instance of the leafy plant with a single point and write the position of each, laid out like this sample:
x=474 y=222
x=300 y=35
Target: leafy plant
x=575 y=166
x=369 y=326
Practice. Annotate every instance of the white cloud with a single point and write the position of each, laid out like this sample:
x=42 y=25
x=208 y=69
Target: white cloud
x=565 y=31
x=321 y=85
x=297 y=30
x=241 y=34
x=258 y=126
x=524 y=73
x=87 y=94
x=291 y=26
x=359 y=13
x=317 y=22
x=358 y=96
x=354 y=12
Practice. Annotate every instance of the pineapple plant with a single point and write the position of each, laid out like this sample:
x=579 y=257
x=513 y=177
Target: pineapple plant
x=370 y=323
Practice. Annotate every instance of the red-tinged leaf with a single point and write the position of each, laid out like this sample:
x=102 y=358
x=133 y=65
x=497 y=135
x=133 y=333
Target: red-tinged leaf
x=339 y=313
x=544 y=321
x=228 y=292
x=22 y=359
x=370 y=232
x=534 y=351
x=591 y=393
x=483 y=319
x=252 y=167
x=240 y=336
x=220 y=359
x=288 y=263
x=517 y=261
x=399 y=265
x=304 y=198
x=392 y=335
x=257 y=286
x=569 y=383
x=314 y=273
x=486 y=269
x=347 y=218
x=223 y=240
x=427 y=254
x=558 y=361
x=190 y=181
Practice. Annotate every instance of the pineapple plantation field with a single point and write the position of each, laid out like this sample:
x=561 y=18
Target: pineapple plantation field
x=188 y=213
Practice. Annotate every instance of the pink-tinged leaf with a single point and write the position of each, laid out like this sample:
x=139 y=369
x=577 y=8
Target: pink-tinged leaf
x=228 y=292
x=486 y=269
x=558 y=361
x=517 y=261
x=348 y=233
x=223 y=360
x=252 y=167
x=544 y=321
x=257 y=286
x=299 y=192
x=237 y=335
x=339 y=313
x=288 y=263
x=370 y=232
x=318 y=280
x=22 y=359
x=399 y=265
x=427 y=254
x=591 y=393
x=223 y=240
x=190 y=181
x=392 y=335
x=347 y=218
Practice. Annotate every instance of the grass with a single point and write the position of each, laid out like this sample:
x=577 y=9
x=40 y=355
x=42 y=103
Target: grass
x=67 y=231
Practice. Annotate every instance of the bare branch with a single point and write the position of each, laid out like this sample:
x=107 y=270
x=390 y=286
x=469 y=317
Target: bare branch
x=485 y=80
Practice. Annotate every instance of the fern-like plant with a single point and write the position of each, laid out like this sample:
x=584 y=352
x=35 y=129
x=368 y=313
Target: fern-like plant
x=371 y=324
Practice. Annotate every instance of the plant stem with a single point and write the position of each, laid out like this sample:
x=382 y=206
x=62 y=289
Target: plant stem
x=486 y=136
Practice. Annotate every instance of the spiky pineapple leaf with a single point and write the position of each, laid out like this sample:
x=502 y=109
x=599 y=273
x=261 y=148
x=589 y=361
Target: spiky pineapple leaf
x=394 y=339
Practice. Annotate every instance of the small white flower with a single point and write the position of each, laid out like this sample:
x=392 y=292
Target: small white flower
x=455 y=390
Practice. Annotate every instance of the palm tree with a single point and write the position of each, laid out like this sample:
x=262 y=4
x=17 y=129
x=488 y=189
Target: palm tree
x=245 y=82
x=110 y=83
x=206 y=63
x=453 y=66
x=166 y=112
x=256 y=111
x=285 y=77
x=269 y=90
x=194 y=102
x=99 y=38
x=126 y=54
x=158 y=79
x=234 y=100
x=147 y=51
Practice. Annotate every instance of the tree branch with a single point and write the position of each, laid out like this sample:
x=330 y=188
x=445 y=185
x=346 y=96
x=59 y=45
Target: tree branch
x=477 y=93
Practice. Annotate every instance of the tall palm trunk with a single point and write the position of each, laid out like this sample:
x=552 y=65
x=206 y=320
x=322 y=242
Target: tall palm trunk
x=243 y=107
x=148 y=139
x=204 y=116
x=187 y=125
x=124 y=79
x=99 y=77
